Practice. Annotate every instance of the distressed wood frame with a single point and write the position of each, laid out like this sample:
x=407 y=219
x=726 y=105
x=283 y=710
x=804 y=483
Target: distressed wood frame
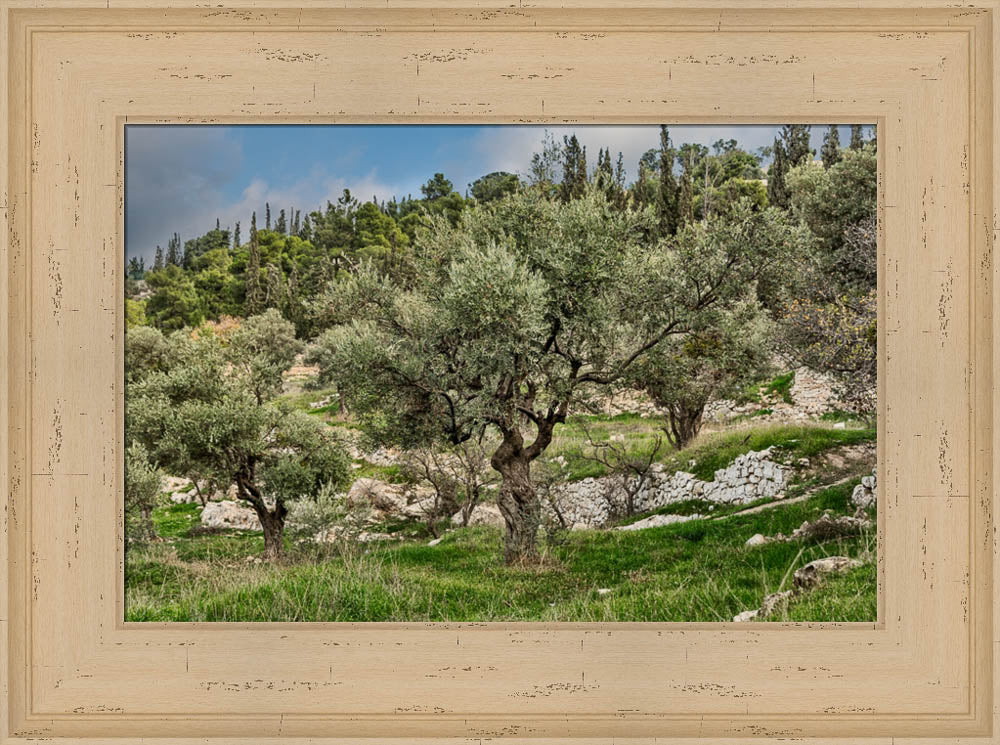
x=75 y=71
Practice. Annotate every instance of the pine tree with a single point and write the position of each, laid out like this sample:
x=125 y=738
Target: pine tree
x=236 y=235
x=132 y=269
x=282 y=225
x=831 y=147
x=667 y=201
x=254 y=293
x=158 y=260
x=777 y=191
x=267 y=215
x=857 y=137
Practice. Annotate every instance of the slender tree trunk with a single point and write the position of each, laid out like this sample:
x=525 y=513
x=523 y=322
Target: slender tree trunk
x=685 y=423
x=147 y=523
x=521 y=510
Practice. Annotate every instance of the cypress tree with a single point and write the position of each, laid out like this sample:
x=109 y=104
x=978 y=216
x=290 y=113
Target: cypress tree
x=574 y=169
x=174 y=250
x=777 y=192
x=667 y=201
x=158 y=260
x=795 y=138
x=267 y=215
x=217 y=226
x=236 y=235
x=831 y=147
x=274 y=296
x=296 y=225
x=685 y=192
x=254 y=293
x=282 y=226
x=857 y=137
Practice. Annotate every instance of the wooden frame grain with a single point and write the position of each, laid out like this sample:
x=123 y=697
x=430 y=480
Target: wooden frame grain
x=76 y=71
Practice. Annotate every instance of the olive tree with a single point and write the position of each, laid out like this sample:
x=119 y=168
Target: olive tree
x=523 y=307
x=724 y=352
x=213 y=413
x=142 y=487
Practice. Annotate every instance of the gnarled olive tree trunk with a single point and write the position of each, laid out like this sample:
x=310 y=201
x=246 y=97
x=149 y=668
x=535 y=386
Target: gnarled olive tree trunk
x=272 y=521
x=517 y=498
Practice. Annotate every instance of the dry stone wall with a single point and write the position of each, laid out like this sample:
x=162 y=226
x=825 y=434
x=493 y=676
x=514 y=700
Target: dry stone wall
x=593 y=502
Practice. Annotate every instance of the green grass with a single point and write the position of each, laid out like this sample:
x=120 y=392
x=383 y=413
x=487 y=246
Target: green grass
x=695 y=571
x=781 y=386
x=176 y=520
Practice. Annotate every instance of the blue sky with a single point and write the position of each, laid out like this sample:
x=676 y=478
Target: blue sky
x=180 y=178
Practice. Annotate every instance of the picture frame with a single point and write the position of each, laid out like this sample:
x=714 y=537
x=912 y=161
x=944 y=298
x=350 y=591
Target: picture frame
x=75 y=72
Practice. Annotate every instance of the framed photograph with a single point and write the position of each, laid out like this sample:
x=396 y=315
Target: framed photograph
x=451 y=372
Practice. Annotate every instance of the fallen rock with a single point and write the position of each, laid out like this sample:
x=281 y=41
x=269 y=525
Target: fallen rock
x=747 y=615
x=864 y=494
x=829 y=527
x=757 y=539
x=813 y=573
x=482 y=514
x=229 y=514
x=384 y=497
x=775 y=601
x=435 y=542
x=655 y=521
x=603 y=590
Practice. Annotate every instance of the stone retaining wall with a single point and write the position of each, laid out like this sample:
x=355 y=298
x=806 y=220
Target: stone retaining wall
x=593 y=502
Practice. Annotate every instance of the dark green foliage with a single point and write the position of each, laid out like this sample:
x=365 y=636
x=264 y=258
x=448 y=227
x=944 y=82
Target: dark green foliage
x=777 y=191
x=254 y=294
x=669 y=213
x=574 y=177
x=831 y=146
x=436 y=187
x=857 y=137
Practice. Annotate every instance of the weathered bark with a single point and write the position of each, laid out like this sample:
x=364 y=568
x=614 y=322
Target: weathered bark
x=274 y=530
x=272 y=522
x=517 y=498
x=521 y=510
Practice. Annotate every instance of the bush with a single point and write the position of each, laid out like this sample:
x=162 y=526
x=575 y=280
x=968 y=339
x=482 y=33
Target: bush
x=330 y=514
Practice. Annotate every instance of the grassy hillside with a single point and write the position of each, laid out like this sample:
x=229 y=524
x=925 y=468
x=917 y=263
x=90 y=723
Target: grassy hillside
x=694 y=571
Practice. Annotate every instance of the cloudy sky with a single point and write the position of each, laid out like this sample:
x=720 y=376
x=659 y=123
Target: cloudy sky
x=180 y=178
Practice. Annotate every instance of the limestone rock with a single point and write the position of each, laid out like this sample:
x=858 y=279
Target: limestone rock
x=864 y=494
x=757 y=539
x=384 y=497
x=229 y=514
x=482 y=514
x=655 y=521
x=813 y=573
